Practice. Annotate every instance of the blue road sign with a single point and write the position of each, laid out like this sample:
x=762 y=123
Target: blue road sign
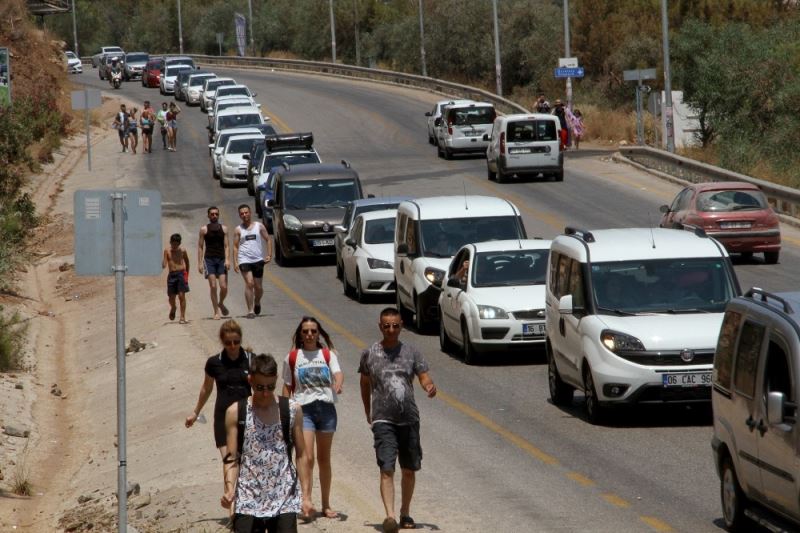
x=564 y=72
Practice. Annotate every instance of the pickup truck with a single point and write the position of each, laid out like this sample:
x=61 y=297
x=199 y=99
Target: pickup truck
x=97 y=59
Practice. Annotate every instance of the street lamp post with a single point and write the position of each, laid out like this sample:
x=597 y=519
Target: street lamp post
x=355 y=24
x=668 y=121
x=567 y=52
x=422 y=42
x=498 y=70
x=333 y=32
x=75 y=30
x=252 y=37
x=180 y=29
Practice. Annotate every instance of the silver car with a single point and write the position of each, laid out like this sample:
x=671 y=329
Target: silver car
x=134 y=65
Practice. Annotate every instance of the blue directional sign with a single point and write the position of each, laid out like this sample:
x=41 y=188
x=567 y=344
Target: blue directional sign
x=564 y=72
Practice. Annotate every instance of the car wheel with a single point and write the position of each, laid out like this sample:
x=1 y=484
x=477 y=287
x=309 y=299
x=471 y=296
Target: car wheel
x=360 y=295
x=470 y=355
x=250 y=189
x=733 y=499
x=445 y=343
x=214 y=172
x=439 y=150
x=501 y=176
x=346 y=289
x=594 y=411
x=448 y=154
x=259 y=212
x=771 y=258
x=747 y=256
x=405 y=315
x=279 y=258
x=339 y=271
x=431 y=141
x=559 y=176
x=419 y=318
x=560 y=392
x=269 y=226
x=491 y=175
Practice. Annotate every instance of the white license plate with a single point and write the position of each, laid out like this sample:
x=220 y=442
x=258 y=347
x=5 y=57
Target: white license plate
x=519 y=150
x=735 y=225
x=322 y=242
x=471 y=133
x=533 y=329
x=689 y=379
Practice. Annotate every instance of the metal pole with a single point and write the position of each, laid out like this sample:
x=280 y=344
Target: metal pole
x=119 y=289
x=252 y=37
x=88 y=140
x=639 y=122
x=566 y=51
x=333 y=33
x=75 y=30
x=668 y=122
x=498 y=71
x=355 y=24
x=180 y=29
x=422 y=41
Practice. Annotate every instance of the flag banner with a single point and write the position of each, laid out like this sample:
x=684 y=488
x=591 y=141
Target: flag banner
x=241 y=32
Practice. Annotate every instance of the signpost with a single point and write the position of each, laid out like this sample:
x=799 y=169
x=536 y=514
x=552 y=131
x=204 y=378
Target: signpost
x=569 y=72
x=5 y=77
x=86 y=100
x=638 y=75
x=117 y=232
x=220 y=37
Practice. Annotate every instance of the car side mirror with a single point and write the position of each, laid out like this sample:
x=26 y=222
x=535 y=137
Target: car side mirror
x=350 y=242
x=664 y=209
x=253 y=94
x=246 y=156
x=427 y=113
x=211 y=146
x=210 y=112
x=339 y=228
x=485 y=136
x=437 y=122
x=402 y=249
x=454 y=282
x=776 y=402
x=270 y=203
x=565 y=305
x=208 y=127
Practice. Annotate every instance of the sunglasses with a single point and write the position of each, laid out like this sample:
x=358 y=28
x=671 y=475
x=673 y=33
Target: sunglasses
x=262 y=388
x=307 y=331
x=232 y=343
x=390 y=326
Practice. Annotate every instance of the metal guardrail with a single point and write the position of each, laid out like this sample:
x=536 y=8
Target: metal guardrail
x=784 y=200
x=384 y=76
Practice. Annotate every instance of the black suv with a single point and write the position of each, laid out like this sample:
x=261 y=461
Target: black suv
x=309 y=201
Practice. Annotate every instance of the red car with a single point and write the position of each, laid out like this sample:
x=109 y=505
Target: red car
x=735 y=213
x=151 y=77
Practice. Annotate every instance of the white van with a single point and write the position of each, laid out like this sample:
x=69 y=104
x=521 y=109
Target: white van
x=524 y=145
x=461 y=128
x=429 y=231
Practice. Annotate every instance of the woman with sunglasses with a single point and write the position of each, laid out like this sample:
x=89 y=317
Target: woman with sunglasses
x=228 y=369
x=311 y=374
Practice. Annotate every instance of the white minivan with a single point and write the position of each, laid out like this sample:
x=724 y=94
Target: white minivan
x=524 y=145
x=429 y=231
x=461 y=128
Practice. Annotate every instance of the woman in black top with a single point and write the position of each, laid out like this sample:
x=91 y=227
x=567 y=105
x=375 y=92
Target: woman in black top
x=228 y=369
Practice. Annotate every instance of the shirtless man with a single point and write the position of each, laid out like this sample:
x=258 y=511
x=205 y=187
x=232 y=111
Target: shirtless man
x=250 y=243
x=176 y=258
x=212 y=259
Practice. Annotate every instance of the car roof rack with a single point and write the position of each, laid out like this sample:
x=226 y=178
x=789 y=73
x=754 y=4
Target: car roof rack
x=289 y=141
x=579 y=233
x=697 y=230
x=766 y=296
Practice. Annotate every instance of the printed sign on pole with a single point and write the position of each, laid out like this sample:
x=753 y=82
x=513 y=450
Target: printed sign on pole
x=241 y=32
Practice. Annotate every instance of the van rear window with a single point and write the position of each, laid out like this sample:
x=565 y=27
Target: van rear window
x=531 y=130
x=465 y=116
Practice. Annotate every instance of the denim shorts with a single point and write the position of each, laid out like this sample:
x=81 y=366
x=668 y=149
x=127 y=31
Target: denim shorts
x=215 y=266
x=319 y=416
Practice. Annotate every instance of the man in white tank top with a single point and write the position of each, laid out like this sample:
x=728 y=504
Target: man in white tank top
x=250 y=243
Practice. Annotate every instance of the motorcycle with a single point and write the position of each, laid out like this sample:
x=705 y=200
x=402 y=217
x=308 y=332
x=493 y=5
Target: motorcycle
x=116 y=79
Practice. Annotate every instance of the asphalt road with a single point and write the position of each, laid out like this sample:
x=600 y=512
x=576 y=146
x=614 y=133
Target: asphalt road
x=498 y=455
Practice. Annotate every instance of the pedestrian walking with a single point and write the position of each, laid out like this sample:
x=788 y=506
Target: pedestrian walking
x=578 y=127
x=260 y=476
x=213 y=260
x=387 y=371
x=250 y=244
x=228 y=370
x=559 y=111
x=176 y=258
x=147 y=121
x=161 y=117
x=542 y=105
x=172 y=126
x=133 y=132
x=313 y=377
x=121 y=125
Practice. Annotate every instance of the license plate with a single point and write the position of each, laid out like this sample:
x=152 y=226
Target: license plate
x=735 y=225
x=689 y=379
x=519 y=150
x=322 y=242
x=471 y=133
x=533 y=329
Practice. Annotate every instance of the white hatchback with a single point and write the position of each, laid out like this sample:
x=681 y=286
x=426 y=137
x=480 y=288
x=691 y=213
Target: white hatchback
x=436 y=113
x=368 y=254
x=493 y=297
x=233 y=165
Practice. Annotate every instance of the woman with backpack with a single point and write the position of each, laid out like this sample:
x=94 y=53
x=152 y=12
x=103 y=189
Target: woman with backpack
x=312 y=376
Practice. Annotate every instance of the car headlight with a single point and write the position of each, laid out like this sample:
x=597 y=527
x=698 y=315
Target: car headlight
x=292 y=223
x=490 y=312
x=618 y=342
x=434 y=276
x=378 y=263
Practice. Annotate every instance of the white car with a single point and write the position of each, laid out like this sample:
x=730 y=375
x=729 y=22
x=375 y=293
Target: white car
x=218 y=147
x=194 y=88
x=236 y=90
x=493 y=297
x=235 y=117
x=169 y=77
x=226 y=102
x=233 y=165
x=368 y=254
x=74 y=65
x=437 y=113
x=461 y=128
x=210 y=90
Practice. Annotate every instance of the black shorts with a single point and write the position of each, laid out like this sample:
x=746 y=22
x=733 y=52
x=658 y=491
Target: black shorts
x=393 y=442
x=176 y=282
x=256 y=268
x=283 y=523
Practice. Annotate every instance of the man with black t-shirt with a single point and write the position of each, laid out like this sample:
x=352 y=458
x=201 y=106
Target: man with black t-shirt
x=213 y=259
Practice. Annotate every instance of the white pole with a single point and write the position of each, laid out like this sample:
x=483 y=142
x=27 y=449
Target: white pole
x=498 y=70
x=669 y=123
x=119 y=289
x=180 y=29
x=75 y=30
x=567 y=52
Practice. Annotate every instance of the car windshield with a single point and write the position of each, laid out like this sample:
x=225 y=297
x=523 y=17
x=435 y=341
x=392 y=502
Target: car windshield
x=197 y=80
x=531 y=130
x=225 y=105
x=466 y=116
x=242 y=119
x=136 y=58
x=374 y=207
x=319 y=193
x=515 y=267
x=212 y=85
x=229 y=91
x=721 y=201
x=291 y=159
x=71 y=55
x=173 y=71
x=662 y=286
x=379 y=231
x=442 y=238
x=240 y=146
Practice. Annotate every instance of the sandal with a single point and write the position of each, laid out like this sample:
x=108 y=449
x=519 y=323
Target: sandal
x=406 y=522
x=223 y=309
x=172 y=314
x=182 y=321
